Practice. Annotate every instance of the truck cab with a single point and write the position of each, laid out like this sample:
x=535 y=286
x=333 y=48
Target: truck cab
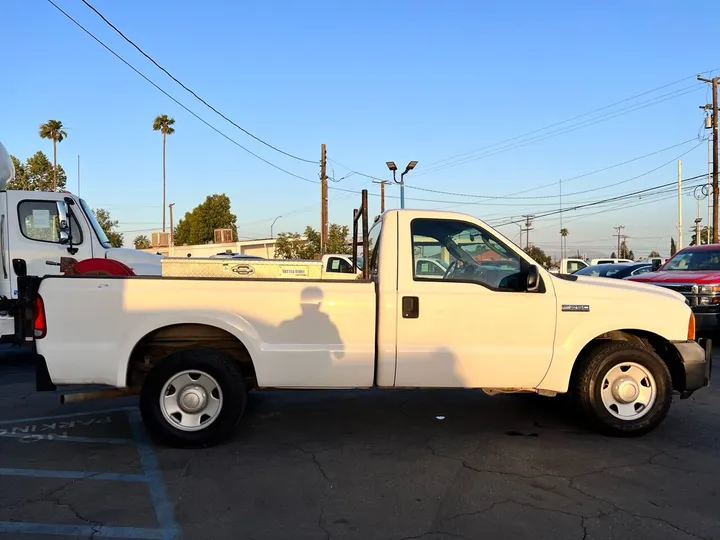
x=45 y=229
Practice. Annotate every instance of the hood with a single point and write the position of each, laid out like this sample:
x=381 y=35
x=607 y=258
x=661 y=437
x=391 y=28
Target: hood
x=141 y=262
x=680 y=276
x=609 y=287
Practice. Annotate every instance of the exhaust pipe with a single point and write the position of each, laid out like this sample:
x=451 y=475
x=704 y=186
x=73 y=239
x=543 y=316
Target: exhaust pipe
x=79 y=397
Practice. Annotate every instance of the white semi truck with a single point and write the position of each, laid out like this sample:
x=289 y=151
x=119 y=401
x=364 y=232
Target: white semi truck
x=193 y=347
x=51 y=232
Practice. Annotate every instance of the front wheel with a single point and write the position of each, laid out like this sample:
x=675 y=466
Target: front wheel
x=624 y=389
x=193 y=398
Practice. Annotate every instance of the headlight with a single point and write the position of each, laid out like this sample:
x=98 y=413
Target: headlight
x=708 y=289
x=708 y=300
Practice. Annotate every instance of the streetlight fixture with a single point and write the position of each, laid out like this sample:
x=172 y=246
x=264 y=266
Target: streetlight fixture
x=410 y=166
x=272 y=225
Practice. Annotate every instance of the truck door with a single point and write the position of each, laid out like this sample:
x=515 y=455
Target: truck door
x=477 y=326
x=34 y=234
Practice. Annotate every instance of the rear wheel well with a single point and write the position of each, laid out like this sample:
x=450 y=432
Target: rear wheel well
x=661 y=346
x=164 y=341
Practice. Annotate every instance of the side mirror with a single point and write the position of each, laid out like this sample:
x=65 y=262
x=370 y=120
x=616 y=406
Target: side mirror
x=63 y=223
x=20 y=267
x=656 y=264
x=533 y=279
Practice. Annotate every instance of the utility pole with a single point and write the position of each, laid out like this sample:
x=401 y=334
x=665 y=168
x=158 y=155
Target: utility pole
x=562 y=238
x=172 y=229
x=528 y=228
x=714 y=115
x=680 y=221
x=323 y=200
x=382 y=193
x=619 y=235
x=709 y=190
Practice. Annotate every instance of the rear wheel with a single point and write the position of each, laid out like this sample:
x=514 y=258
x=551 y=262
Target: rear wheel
x=623 y=388
x=193 y=398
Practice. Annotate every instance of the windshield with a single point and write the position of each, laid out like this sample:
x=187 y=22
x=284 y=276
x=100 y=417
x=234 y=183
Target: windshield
x=104 y=242
x=705 y=259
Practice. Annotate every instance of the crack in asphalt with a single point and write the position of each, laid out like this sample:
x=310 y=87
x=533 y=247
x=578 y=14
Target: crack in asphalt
x=571 y=483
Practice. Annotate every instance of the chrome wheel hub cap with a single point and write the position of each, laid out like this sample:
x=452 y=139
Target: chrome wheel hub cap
x=628 y=391
x=191 y=400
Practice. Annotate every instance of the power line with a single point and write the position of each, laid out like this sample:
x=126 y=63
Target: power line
x=538 y=130
x=610 y=199
x=569 y=129
x=508 y=197
x=216 y=130
x=131 y=42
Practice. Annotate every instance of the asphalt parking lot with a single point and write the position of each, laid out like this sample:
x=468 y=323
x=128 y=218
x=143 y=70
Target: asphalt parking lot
x=355 y=465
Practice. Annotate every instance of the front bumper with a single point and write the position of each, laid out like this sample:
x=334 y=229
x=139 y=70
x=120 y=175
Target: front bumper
x=696 y=359
x=707 y=322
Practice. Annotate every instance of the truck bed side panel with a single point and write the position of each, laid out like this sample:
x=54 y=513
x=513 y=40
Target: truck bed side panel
x=299 y=333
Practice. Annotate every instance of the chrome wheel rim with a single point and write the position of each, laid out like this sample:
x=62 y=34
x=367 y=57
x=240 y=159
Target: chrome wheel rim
x=628 y=391
x=191 y=400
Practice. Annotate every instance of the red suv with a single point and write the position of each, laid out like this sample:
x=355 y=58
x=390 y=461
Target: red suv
x=695 y=273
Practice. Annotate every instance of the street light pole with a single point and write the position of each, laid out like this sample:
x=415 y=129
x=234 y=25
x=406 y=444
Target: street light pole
x=410 y=166
x=272 y=225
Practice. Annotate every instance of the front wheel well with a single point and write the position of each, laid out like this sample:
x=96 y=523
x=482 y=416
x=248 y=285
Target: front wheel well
x=164 y=341
x=661 y=346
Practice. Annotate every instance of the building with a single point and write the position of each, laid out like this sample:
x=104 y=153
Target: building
x=260 y=248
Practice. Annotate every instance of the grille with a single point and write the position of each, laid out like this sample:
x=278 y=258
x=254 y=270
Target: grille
x=683 y=288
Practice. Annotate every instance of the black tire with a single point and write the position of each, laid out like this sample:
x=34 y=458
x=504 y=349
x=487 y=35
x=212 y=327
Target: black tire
x=588 y=383
x=214 y=363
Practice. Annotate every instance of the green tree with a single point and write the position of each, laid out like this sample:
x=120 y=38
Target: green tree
x=53 y=130
x=198 y=226
x=307 y=245
x=613 y=255
x=563 y=244
x=693 y=241
x=338 y=239
x=108 y=225
x=653 y=253
x=163 y=124
x=37 y=174
x=539 y=256
x=142 y=242
x=673 y=247
x=298 y=246
x=626 y=253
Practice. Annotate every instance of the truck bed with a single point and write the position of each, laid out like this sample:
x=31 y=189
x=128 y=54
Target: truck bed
x=301 y=334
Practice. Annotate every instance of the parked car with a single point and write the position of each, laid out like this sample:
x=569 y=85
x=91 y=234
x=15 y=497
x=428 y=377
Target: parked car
x=617 y=271
x=571 y=266
x=694 y=272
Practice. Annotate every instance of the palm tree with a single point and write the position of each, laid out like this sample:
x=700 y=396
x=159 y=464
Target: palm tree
x=564 y=232
x=53 y=130
x=163 y=124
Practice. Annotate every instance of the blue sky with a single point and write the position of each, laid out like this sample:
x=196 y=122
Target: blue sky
x=375 y=81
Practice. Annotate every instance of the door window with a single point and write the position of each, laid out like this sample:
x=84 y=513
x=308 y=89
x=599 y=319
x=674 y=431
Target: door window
x=338 y=264
x=474 y=254
x=642 y=270
x=429 y=268
x=574 y=266
x=39 y=221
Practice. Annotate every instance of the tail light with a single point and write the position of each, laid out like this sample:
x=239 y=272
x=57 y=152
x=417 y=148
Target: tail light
x=39 y=321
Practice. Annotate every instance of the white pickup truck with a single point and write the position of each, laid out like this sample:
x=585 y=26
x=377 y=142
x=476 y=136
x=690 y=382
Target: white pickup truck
x=193 y=348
